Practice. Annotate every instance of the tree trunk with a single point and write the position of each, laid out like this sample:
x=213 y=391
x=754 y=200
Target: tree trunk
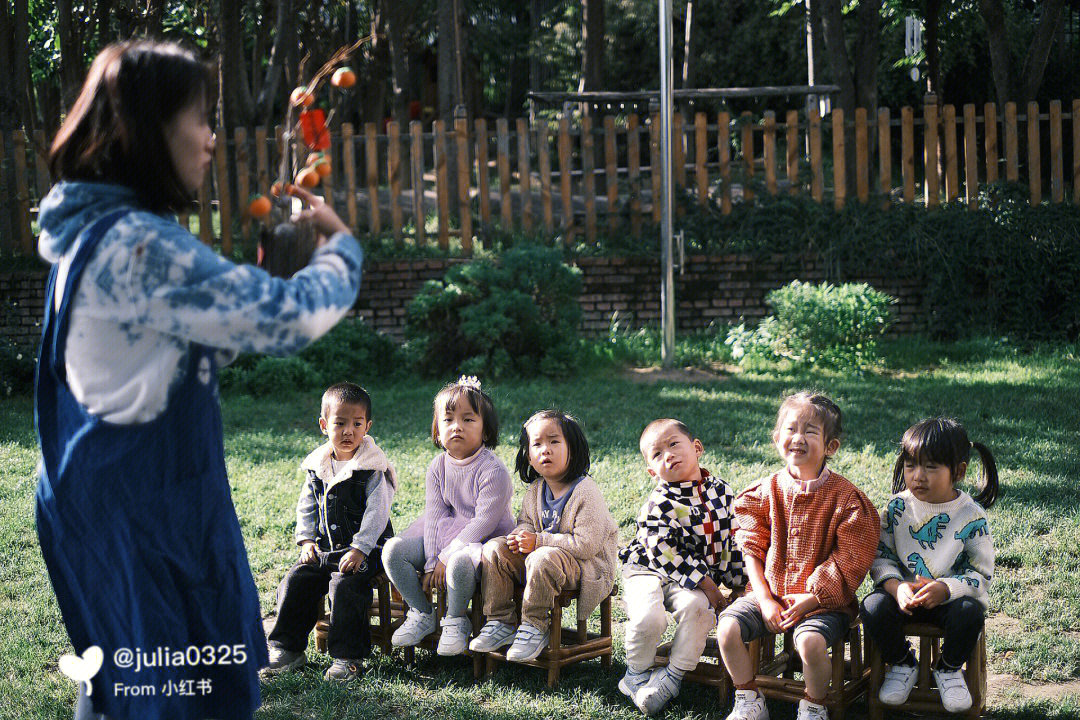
x=103 y=12
x=592 y=45
x=993 y=14
x=689 y=47
x=933 y=61
x=235 y=95
x=1031 y=76
x=867 y=49
x=397 y=20
x=8 y=111
x=284 y=39
x=21 y=55
x=67 y=28
x=837 y=54
x=155 y=14
x=451 y=60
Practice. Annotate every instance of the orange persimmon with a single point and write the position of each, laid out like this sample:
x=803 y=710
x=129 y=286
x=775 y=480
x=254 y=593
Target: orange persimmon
x=308 y=177
x=259 y=206
x=343 y=77
x=301 y=97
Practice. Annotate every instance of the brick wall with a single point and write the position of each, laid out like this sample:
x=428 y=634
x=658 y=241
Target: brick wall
x=711 y=288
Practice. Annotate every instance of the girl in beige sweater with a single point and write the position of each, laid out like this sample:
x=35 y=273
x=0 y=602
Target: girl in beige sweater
x=565 y=538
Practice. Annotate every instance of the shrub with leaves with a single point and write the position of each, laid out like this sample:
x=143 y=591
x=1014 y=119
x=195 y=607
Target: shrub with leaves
x=836 y=325
x=518 y=314
x=351 y=351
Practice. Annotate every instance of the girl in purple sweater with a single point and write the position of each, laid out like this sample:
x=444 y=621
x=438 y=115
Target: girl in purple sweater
x=467 y=502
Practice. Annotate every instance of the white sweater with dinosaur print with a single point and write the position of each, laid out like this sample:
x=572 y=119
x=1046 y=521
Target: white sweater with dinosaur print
x=949 y=542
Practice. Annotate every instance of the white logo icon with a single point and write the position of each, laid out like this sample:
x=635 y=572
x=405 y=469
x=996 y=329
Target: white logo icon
x=81 y=669
x=204 y=370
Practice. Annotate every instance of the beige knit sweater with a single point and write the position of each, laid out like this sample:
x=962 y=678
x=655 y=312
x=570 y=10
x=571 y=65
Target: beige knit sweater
x=586 y=531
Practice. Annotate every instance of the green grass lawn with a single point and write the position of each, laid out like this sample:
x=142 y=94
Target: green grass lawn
x=1024 y=406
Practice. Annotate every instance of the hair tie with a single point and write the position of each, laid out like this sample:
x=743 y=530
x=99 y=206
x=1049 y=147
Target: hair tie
x=469 y=381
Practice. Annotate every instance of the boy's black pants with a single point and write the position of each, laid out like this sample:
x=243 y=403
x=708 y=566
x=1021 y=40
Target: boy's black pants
x=960 y=619
x=300 y=599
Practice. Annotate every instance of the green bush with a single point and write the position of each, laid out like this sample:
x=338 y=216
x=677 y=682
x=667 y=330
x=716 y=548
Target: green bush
x=351 y=351
x=835 y=325
x=517 y=315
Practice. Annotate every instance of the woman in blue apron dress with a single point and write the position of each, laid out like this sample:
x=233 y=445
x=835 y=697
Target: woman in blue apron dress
x=134 y=512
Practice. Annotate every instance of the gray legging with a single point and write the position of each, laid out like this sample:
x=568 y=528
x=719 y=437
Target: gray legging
x=403 y=558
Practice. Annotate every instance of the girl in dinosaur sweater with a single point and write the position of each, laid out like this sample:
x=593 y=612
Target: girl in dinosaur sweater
x=935 y=559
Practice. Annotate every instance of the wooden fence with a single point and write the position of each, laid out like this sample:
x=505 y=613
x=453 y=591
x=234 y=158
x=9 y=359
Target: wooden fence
x=575 y=176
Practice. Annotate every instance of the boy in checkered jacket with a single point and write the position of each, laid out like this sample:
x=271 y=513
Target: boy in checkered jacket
x=808 y=537
x=684 y=548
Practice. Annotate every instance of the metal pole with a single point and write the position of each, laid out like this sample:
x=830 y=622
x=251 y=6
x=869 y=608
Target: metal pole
x=667 y=296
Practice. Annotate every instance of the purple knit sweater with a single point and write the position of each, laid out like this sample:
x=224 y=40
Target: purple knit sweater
x=467 y=502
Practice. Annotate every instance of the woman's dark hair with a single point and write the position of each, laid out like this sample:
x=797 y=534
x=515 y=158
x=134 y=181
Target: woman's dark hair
x=577 y=447
x=944 y=441
x=478 y=400
x=115 y=131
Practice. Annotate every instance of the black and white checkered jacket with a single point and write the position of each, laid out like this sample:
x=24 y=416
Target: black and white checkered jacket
x=686 y=531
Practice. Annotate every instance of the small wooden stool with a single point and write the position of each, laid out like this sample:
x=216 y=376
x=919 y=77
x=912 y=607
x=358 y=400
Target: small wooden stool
x=924 y=697
x=562 y=650
x=775 y=678
x=388 y=610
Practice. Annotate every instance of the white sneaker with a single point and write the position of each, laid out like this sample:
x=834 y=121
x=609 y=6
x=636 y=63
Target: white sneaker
x=529 y=642
x=897 y=685
x=954 y=691
x=630 y=683
x=455 y=635
x=811 y=711
x=494 y=635
x=417 y=626
x=749 y=705
x=658 y=691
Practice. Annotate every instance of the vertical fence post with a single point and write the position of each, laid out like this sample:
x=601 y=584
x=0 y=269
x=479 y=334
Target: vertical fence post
x=502 y=164
x=748 y=154
x=907 y=152
x=930 y=145
x=971 y=158
x=348 y=162
x=524 y=173
x=206 y=229
x=461 y=132
x=565 y=188
x=442 y=193
x=393 y=175
x=1034 y=154
x=1057 y=161
x=633 y=172
x=588 y=176
x=792 y=124
x=611 y=172
x=768 y=151
x=243 y=182
x=885 y=154
x=1012 y=163
x=723 y=144
x=224 y=206
x=862 y=156
x=482 y=180
x=22 y=191
x=416 y=153
x=990 y=133
x=8 y=218
x=1076 y=150
x=952 y=180
x=817 y=172
x=701 y=149
x=543 y=158
x=262 y=178
x=839 y=159
x=371 y=156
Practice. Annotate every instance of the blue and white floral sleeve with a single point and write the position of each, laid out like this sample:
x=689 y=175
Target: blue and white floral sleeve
x=183 y=288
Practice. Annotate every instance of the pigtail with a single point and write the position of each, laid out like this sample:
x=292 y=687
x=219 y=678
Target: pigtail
x=522 y=465
x=988 y=495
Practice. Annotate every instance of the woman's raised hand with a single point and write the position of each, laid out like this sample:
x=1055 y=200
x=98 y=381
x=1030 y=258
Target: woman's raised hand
x=319 y=213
